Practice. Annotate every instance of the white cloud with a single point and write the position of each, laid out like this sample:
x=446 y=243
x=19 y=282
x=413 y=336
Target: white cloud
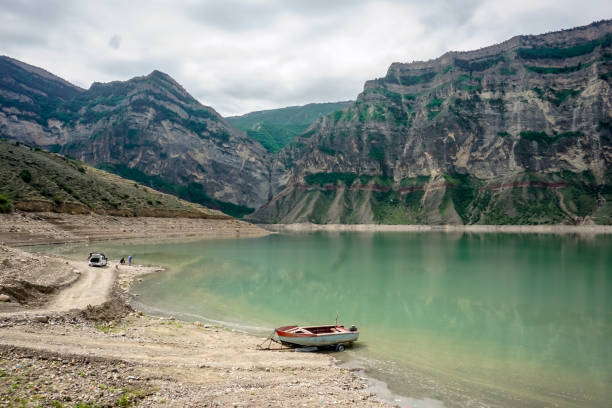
x=238 y=56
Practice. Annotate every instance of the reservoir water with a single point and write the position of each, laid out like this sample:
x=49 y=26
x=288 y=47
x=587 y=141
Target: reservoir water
x=521 y=320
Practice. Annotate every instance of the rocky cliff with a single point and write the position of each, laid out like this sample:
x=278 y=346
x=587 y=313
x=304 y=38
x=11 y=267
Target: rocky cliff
x=148 y=127
x=519 y=132
x=516 y=133
x=29 y=100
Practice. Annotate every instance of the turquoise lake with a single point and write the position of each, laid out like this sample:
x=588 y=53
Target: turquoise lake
x=446 y=319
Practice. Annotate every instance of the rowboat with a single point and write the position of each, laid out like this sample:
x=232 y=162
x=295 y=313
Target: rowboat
x=317 y=336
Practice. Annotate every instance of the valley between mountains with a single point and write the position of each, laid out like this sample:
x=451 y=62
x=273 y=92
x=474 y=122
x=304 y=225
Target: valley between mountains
x=515 y=133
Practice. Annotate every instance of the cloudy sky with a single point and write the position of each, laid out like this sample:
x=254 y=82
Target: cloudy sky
x=243 y=55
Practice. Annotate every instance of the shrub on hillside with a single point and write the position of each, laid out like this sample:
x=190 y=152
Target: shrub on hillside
x=26 y=175
x=5 y=205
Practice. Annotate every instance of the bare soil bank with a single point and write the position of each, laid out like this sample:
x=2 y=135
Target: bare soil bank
x=538 y=229
x=19 y=229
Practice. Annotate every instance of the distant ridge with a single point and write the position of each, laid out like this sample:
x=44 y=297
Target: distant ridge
x=275 y=128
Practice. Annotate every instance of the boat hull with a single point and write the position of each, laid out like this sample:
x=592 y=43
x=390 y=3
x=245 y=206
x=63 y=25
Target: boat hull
x=287 y=336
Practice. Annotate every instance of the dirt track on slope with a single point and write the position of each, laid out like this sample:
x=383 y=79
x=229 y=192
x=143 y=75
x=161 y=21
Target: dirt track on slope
x=92 y=288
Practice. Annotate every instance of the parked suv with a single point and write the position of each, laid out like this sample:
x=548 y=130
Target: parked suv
x=97 y=259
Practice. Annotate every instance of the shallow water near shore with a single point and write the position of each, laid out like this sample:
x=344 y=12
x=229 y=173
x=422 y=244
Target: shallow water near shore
x=459 y=319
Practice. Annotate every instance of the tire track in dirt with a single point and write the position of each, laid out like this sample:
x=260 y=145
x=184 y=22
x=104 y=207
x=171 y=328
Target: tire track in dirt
x=93 y=287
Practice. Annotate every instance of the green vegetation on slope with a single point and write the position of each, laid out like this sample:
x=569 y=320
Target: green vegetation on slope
x=37 y=180
x=523 y=199
x=45 y=93
x=322 y=179
x=556 y=96
x=477 y=65
x=408 y=80
x=558 y=70
x=276 y=128
x=567 y=52
x=5 y=204
x=543 y=137
x=191 y=192
x=347 y=179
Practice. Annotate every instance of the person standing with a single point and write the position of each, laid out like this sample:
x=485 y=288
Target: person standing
x=130 y=260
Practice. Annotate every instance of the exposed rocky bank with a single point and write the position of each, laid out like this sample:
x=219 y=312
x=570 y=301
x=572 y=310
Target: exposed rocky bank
x=107 y=354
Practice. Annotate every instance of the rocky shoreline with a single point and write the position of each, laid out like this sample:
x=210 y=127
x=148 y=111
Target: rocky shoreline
x=35 y=228
x=534 y=229
x=111 y=355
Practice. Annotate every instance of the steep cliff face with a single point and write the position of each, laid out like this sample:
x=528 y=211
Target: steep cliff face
x=151 y=124
x=29 y=99
x=519 y=132
x=149 y=127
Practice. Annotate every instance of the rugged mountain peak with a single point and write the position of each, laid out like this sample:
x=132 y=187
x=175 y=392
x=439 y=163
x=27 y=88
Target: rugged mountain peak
x=148 y=127
x=10 y=67
x=157 y=82
x=518 y=132
x=162 y=76
x=153 y=124
x=166 y=80
x=29 y=98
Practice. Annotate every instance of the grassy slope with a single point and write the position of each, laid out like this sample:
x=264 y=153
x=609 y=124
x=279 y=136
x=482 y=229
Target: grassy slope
x=35 y=179
x=192 y=192
x=276 y=128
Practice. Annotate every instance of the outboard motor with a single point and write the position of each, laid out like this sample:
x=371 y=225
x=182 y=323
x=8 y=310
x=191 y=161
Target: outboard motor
x=353 y=328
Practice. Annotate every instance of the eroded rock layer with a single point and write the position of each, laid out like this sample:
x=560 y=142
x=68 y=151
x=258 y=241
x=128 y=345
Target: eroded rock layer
x=147 y=128
x=518 y=132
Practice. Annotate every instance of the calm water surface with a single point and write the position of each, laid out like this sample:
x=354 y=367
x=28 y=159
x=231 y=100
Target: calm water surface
x=465 y=319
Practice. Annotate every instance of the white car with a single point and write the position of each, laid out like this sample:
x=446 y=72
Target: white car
x=97 y=259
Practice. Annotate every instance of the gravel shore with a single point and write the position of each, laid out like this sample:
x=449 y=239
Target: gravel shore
x=147 y=361
x=23 y=229
x=535 y=229
x=106 y=354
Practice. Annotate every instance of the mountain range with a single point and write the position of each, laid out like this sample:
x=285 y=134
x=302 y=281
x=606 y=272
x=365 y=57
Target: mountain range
x=515 y=133
x=148 y=128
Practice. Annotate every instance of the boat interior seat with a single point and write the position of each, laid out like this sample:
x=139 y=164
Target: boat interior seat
x=299 y=330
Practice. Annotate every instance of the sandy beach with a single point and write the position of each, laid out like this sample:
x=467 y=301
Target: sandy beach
x=68 y=335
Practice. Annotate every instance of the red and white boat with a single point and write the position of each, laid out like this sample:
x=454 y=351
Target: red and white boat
x=317 y=336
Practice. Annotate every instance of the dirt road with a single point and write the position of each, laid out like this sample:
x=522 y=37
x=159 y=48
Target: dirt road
x=92 y=288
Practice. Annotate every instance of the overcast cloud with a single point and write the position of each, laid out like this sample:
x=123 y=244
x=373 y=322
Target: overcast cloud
x=240 y=56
